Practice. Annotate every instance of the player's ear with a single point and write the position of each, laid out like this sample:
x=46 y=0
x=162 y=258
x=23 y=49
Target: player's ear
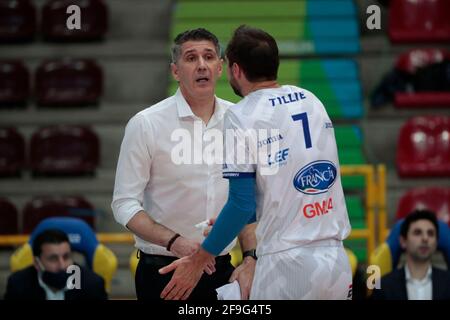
x=235 y=70
x=174 y=70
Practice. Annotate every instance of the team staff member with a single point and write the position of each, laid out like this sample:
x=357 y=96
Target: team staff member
x=161 y=201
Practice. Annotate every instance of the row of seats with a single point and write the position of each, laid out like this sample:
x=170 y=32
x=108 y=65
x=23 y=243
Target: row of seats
x=424 y=147
x=53 y=150
x=419 y=21
x=57 y=82
x=18 y=20
x=300 y=26
x=42 y=207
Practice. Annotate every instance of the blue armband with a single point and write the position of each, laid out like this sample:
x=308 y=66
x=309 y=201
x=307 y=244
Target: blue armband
x=237 y=212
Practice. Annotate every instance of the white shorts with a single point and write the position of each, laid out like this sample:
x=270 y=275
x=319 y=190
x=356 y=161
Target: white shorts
x=306 y=273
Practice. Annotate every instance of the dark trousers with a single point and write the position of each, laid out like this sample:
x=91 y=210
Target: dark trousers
x=150 y=284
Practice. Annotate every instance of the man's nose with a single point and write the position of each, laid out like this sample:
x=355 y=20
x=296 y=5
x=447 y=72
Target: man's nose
x=61 y=263
x=201 y=63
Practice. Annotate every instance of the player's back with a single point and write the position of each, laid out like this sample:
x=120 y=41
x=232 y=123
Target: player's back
x=299 y=193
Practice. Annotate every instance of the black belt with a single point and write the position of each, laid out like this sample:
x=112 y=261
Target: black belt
x=160 y=260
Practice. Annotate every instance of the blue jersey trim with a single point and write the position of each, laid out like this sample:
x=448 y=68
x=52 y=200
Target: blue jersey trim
x=232 y=175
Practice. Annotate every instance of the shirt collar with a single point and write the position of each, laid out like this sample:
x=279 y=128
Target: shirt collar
x=50 y=294
x=184 y=110
x=409 y=277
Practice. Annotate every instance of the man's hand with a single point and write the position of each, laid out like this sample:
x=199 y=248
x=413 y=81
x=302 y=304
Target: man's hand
x=188 y=271
x=244 y=275
x=183 y=247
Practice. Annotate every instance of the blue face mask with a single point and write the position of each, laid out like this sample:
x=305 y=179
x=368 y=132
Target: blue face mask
x=56 y=280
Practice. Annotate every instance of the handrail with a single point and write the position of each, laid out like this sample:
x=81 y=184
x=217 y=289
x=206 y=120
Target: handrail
x=367 y=233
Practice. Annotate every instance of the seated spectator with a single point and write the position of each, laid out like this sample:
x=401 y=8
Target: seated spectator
x=47 y=278
x=418 y=279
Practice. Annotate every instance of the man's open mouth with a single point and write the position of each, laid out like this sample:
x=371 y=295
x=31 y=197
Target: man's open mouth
x=202 y=80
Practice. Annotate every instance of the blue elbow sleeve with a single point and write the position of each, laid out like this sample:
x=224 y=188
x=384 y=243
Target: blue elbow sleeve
x=237 y=212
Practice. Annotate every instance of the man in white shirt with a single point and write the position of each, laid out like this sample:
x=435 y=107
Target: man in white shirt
x=418 y=279
x=295 y=186
x=162 y=191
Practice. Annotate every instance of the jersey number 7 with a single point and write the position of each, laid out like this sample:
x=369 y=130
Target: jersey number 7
x=304 y=118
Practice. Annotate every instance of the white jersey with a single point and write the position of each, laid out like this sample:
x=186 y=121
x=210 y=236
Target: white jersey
x=300 y=199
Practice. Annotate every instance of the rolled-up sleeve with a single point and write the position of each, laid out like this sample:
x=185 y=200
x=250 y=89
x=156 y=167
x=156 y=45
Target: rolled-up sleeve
x=133 y=170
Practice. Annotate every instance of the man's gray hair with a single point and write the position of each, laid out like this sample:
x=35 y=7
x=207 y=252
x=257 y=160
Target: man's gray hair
x=194 y=35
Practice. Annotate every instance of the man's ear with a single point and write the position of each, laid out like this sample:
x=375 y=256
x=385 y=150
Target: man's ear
x=220 y=67
x=36 y=263
x=402 y=242
x=174 y=70
x=236 y=70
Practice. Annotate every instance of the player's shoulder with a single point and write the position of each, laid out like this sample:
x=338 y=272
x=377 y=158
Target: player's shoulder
x=224 y=103
x=306 y=95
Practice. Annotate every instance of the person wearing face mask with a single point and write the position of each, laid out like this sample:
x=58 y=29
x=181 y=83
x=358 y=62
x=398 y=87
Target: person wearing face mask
x=47 y=278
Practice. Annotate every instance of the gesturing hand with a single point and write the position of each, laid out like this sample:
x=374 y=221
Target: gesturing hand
x=188 y=271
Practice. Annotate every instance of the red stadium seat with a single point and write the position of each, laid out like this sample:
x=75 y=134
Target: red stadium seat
x=419 y=21
x=17 y=20
x=43 y=207
x=68 y=82
x=14 y=83
x=410 y=62
x=12 y=152
x=434 y=199
x=423 y=147
x=94 y=20
x=9 y=217
x=64 y=150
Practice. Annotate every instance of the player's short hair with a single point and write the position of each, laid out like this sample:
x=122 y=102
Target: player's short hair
x=418 y=215
x=53 y=236
x=255 y=51
x=193 y=35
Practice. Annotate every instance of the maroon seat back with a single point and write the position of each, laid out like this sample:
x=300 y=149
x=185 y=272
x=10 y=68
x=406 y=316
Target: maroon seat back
x=422 y=148
x=410 y=62
x=64 y=150
x=68 y=82
x=17 y=20
x=43 y=207
x=14 y=83
x=12 y=152
x=435 y=199
x=419 y=21
x=94 y=20
x=9 y=218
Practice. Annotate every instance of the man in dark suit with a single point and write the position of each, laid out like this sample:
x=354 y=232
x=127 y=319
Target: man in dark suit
x=54 y=276
x=418 y=279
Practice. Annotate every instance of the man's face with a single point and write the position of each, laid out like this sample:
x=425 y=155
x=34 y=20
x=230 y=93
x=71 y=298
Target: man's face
x=55 y=257
x=421 y=240
x=198 y=68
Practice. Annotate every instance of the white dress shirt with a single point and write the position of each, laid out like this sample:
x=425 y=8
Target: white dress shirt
x=419 y=289
x=177 y=196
